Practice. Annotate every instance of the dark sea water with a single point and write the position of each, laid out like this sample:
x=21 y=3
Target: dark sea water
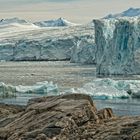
x=121 y=107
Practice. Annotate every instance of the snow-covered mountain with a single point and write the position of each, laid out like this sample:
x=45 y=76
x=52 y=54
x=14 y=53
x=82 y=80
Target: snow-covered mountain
x=131 y=12
x=13 y=25
x=55 y=23
x=12 y=20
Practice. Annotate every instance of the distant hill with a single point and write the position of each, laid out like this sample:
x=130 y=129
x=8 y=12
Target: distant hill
x=55 y=23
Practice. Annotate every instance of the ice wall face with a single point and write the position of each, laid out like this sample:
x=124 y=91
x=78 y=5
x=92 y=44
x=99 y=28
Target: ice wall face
x=53 y=49
x=118 y=46
x=42 y=44
x=83 y=51
x=22 y=50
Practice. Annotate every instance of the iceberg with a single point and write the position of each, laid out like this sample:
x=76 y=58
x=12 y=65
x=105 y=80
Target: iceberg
x=108 y=88
x=118 y=46
x=44 y=88
x=50 y=44
x=39 y=88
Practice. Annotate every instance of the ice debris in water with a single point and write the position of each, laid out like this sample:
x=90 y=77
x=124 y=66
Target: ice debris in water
x=108 y=88
x=7 y=90
x=47 y=88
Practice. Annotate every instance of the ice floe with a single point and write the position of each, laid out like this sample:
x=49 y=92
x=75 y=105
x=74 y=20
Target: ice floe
x=46 y=88
x=108 y=88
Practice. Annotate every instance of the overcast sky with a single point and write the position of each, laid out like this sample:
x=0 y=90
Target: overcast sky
x=73 y=10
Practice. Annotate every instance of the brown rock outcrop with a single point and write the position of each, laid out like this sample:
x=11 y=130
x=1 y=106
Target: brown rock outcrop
x=68 y=117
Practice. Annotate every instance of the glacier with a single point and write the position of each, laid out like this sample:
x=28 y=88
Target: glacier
x=118 y=46
x=44 y=88
x=107 y=88
x=21 y=41
x=39 y=88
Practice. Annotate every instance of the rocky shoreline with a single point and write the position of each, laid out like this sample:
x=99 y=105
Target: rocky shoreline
x=65 y=117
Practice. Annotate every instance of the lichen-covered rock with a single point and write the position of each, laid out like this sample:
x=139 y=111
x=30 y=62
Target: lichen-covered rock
x=118 y=46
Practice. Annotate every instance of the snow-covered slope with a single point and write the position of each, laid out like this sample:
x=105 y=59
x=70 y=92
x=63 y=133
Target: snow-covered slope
x=13 y=25
x=131 y=12
x=12 y=20
x=118 y=46
x=55 y=23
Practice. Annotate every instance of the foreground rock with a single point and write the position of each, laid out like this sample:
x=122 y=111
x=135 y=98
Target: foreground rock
x=118 y=46
x=66 y=117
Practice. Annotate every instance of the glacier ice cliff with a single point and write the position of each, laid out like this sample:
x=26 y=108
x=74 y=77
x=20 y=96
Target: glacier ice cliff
x=7 y=91
x=118 y=46
x=18 y=44
x=83 y=51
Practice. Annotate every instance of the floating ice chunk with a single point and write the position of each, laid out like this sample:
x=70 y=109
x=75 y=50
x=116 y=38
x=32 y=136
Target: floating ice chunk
x=7 y=91
x=118 y=46
x=108 y=88
x=39 y=88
